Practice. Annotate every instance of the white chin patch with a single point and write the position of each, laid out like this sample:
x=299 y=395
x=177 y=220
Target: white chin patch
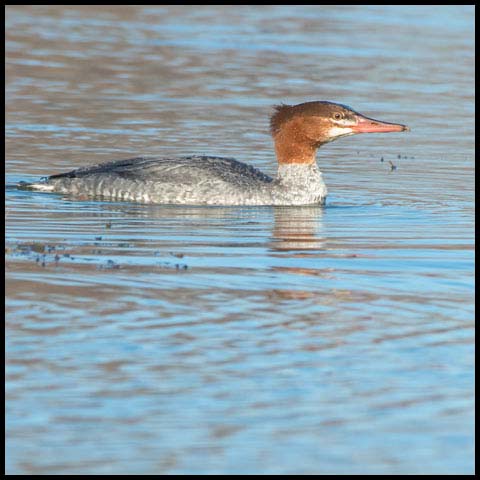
x=339 y=131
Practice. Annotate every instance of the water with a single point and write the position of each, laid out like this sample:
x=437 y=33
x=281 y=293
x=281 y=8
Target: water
x=192 y=340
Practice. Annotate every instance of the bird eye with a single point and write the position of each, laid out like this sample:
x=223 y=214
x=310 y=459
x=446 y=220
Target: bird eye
x=337 y=116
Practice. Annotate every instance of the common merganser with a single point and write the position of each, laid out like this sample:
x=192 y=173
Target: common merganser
x=298 y=131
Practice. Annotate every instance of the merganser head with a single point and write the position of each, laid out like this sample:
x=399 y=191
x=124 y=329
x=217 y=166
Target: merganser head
x=299 y=130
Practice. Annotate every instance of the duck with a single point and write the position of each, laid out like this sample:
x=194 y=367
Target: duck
x=298 y=131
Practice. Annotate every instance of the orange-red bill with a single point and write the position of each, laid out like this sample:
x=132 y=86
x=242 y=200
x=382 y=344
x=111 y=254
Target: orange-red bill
x=369 y=125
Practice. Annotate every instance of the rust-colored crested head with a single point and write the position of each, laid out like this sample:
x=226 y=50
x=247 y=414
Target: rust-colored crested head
x=279 y=116
x=298 y=130
x=284 y=113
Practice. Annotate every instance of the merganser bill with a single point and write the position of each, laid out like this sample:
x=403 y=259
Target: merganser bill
x=298 y=131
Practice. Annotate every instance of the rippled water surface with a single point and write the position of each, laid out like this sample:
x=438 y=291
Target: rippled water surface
x=145 y=339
